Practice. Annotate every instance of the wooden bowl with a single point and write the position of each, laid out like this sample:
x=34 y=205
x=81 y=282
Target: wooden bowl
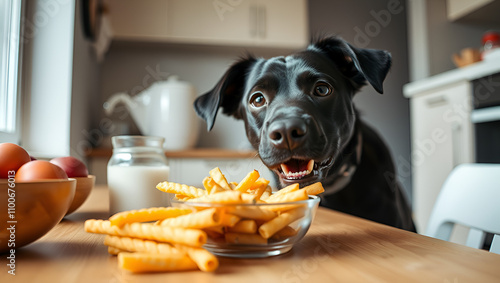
x=84 y=186
x=31 y=209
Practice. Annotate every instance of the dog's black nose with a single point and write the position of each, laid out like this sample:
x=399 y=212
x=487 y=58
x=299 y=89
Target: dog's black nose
x=288 y=133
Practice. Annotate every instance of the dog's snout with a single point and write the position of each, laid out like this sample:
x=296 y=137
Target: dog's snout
x=289 y=133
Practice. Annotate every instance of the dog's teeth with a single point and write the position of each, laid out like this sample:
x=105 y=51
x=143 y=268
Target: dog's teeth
x=310 y=165
x=285 y=170
x=297 y=175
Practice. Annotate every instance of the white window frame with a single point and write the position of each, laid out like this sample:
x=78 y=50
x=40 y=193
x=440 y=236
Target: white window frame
x=48 y=72
x=10 y=81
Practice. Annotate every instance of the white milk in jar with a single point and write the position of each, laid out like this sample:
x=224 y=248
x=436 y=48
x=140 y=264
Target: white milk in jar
x=138 y=164
x=134 y=187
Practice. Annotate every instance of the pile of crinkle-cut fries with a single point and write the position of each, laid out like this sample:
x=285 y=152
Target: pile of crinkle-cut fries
x=171 y=238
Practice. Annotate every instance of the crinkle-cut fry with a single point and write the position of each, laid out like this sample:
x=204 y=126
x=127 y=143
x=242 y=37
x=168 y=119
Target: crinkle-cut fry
x=114 y=251
x=268 y=191
x=289 y=197
x=284 y=191
x=210 y=186
x=269 y=228
x=219 y=178
x=229 y=220
x=253 y=213
x=147 y=215
x=244 y=226
x=181 y=189
x=233 y=185
x=181 y=197
x=258 y=187
x=218 y=229
x=245 y=239
x=247 y=182
x=260 y=182
x=222 y=197
x=314 y=189
x=147 y=262
x=205 y=260
x=206 y=184
x=197 y=220
x=216 y=189
x=139 y=245
x=248 y=198
x=284 y=233
x=190 y=237
x=280 y=208
x=215 y=232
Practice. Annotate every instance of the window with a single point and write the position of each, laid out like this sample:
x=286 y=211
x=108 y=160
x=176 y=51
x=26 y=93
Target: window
x=10 y=26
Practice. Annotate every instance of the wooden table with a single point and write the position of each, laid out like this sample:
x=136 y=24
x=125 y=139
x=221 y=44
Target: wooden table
x=337 y=248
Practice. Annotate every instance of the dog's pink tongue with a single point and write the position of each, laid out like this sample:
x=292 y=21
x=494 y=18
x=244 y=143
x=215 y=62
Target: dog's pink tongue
x=297 y=168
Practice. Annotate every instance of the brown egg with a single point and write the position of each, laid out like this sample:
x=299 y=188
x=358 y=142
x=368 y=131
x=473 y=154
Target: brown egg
x=12 y=157
x=39 y=170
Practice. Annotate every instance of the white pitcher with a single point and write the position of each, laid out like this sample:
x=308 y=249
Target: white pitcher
x=164 y=109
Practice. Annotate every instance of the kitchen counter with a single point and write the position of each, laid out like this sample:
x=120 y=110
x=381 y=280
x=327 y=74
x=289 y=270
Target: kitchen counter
x=337 y=248
x=469 y=73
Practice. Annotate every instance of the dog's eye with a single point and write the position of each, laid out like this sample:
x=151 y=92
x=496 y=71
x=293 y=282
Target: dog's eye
x=257 y=100
x=322 y=89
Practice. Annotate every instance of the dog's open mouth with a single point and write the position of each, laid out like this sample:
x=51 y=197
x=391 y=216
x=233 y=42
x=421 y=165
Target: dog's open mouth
x=301 y=170
x=296 y=169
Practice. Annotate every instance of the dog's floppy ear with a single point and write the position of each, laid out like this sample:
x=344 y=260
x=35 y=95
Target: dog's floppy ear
x=227 y=93
x=359 y=64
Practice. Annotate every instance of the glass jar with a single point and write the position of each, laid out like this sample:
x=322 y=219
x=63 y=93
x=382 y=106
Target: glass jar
x=137 y=165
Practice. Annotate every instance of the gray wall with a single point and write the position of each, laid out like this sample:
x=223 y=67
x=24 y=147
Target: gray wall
x=379 y=24
x=129 y=67
x=85 y=89
x=132 y=67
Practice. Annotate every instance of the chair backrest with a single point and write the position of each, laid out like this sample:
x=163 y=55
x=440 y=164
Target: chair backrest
x=470 y=196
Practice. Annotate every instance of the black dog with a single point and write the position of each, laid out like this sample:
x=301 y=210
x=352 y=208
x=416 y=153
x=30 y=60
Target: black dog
x=299 y=115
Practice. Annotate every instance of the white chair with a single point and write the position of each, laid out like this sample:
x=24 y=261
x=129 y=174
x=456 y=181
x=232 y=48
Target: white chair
x=470 y=196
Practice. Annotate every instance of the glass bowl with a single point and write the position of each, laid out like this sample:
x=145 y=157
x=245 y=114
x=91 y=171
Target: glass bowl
x=295 y=219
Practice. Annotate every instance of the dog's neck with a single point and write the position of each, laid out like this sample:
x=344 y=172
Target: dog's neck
x=341 y=174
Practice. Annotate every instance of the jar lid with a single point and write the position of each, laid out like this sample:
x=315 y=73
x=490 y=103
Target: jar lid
x=491 y=36
x=125 y=141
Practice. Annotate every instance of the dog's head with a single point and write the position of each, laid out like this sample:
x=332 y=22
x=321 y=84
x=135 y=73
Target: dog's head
x=298 y=109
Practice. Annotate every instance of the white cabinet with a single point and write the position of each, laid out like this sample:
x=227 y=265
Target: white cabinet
x=272 y=23
x=473 y=11
x=442 y=137
x=140 y=20
x=282 y=23
x=206 y=21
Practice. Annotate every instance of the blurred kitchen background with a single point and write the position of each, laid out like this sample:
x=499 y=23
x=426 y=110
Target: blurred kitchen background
x=77 y=55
